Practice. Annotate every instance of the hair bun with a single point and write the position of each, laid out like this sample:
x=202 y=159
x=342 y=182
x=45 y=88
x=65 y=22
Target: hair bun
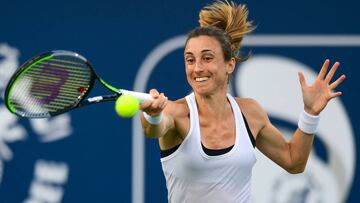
x=230 y=17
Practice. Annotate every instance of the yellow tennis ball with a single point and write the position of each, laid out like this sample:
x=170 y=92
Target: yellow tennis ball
x=127 y=105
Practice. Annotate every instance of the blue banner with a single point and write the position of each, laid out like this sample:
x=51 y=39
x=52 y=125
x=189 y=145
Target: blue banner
x=93 y=155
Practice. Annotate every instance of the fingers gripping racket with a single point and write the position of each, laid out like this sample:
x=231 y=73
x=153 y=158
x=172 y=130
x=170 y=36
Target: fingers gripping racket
x=54 y=83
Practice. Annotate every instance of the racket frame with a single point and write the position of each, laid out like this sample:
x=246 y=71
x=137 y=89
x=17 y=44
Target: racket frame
x=83 y=101
x=83 y=98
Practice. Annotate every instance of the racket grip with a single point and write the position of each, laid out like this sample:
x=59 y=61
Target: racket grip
x=141 y=96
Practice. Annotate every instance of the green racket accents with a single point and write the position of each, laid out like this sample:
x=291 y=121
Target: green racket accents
x=49 y=84
x=11 y=107
x=53 y=83
x=114 y=89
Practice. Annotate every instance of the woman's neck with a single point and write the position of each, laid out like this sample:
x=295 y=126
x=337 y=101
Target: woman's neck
x=216 y=105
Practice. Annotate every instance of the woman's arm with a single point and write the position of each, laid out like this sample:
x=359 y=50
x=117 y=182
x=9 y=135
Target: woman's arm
x=293 y=155
x=156 y=119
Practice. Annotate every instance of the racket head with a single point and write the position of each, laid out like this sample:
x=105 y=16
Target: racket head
x=49 y=84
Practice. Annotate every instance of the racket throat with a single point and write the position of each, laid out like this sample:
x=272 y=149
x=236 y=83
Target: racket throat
x=112 y=88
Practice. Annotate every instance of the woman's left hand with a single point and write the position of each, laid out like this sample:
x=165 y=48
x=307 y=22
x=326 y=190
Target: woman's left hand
x=317 y=95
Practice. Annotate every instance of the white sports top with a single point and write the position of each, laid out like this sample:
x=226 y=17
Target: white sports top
x=195 y=177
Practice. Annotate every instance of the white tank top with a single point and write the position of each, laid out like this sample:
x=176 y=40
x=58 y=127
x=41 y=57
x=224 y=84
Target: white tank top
x=195 y=177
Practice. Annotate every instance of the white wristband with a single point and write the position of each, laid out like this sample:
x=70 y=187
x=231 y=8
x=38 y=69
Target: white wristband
x=153 y=120
x=308 y=123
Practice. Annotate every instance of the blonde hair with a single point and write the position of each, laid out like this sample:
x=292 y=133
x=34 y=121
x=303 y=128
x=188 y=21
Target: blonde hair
x=230 y=19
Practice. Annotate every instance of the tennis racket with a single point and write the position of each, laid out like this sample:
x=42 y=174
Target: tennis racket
x=54 y=83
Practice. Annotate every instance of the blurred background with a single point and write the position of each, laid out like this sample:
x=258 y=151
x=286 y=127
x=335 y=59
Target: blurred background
x=92 y=155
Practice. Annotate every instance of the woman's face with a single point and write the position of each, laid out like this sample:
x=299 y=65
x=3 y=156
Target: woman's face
x=206 y=70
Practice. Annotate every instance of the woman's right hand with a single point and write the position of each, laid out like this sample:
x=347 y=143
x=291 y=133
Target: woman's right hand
x=155 y=106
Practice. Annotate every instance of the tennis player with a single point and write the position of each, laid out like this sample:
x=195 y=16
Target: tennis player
x=207 y=138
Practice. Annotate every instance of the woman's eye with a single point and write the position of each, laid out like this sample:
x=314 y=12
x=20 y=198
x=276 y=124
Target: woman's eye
x=208 y=58
x=190 y=60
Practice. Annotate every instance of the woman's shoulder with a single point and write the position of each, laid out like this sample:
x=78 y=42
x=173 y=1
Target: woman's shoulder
x=178 y=108
x=251 y=108
x=180 y=113
x=247 y=103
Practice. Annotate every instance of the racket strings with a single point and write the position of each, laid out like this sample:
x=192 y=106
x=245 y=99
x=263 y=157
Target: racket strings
x=51 y=85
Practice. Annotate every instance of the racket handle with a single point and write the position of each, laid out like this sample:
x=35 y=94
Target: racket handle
x=141 y=96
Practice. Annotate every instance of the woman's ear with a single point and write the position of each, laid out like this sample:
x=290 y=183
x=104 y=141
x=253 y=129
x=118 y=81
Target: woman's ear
x=230 y=66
